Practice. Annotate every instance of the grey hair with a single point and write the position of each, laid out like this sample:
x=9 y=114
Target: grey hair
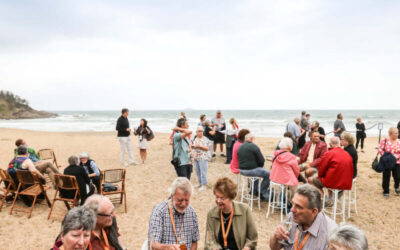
x=183 y=184
x=207 y=123
x=200 y=128
x=73 y=160
x=248 y=137
x=83 y=155
x=334 y=140
x=22 y=150
x=297 y=120
x=94 y=202
x=312 y=194
x=286 y=143
x=78 y=218
x=350 y=237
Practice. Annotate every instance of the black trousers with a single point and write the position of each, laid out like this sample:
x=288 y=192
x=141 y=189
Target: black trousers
x=386 y=178
x=96 y=182
x=229 y=153
x=362 y=142
x=184 y=171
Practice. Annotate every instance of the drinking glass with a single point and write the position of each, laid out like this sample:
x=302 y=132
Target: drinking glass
x=287 y=225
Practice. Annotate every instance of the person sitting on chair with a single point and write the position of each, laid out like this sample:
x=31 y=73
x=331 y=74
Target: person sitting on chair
x=251 y=163
x=22 y=161
x=311 y=153
x=106 y=233
x=309 y=226
x=85 y=187
x=335 y=170
x=91 y=169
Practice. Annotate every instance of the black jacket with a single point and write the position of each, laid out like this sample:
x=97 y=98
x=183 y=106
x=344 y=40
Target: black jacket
x=122 y=125
x=353 y=153
x=82 y=178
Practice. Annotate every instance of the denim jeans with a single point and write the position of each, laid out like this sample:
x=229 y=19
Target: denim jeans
x=184 y=171
x=201 y=167
x=259 y=172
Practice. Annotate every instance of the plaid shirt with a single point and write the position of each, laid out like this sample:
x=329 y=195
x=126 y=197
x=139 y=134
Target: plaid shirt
x=160 y=226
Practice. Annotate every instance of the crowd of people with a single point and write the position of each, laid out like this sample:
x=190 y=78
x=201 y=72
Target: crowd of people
x=305 y=160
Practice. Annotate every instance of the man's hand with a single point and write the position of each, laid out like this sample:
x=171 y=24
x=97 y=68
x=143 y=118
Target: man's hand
x=128 y=129
x=174 y=247
x=281 y=233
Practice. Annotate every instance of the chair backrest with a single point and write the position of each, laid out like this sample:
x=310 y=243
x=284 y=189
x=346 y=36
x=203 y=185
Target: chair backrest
x=6 y=177
x=25 y=177
x=46 y=154
x=66 y=182
x=113 y=175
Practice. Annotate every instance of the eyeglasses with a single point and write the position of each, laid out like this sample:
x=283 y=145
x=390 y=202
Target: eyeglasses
x=220 y=198
x=106 y=215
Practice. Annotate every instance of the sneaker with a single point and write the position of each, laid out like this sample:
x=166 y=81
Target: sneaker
x=213 y=155
x=362 y=151
x=222 y=154
x=386 y=195
x=397 y=190
x=203 y=187
x=197 y=186
x=124 y=164
x=133 y=164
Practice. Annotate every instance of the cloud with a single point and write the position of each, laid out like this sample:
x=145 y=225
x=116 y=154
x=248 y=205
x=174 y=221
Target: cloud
x=206 y=54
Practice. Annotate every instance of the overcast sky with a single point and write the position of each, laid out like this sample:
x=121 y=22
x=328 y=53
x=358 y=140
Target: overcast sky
x=208 y=54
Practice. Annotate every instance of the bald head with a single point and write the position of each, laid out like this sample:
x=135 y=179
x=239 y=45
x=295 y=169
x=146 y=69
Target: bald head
x=334 y=142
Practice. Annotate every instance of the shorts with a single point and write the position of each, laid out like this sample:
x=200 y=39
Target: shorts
x=219 y=138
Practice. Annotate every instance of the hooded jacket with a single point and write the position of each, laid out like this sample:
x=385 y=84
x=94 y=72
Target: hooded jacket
x=285 y=169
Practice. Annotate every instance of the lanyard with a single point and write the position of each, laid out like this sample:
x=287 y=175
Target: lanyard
x=173 y=222
x=105 y=246
x=225 y=234
x=296 y=243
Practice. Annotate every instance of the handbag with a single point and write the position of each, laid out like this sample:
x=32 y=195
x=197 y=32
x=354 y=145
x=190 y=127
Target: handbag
x=230 y=140
x=109 y=187
x=375 y=164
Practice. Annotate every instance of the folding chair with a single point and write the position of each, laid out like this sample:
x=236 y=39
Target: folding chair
x=67 y=183
x=29 y=185
x=48 y=154
x=10 y=187
x=114 y=176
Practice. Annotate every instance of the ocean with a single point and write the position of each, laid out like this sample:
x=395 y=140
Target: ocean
x=265 y=123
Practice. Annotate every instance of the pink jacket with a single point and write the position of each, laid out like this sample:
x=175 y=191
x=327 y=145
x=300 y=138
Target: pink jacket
x=285 y=169
x=235 y=160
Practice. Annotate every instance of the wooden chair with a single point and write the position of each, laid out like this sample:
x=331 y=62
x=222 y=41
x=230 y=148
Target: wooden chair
x=48 y=154
x=116 y=177
x=10 y=187
x=29 y=185
x=65 y=182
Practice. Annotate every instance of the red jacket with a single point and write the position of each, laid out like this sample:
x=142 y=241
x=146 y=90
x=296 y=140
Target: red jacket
x=320 y=150
x=335 y=170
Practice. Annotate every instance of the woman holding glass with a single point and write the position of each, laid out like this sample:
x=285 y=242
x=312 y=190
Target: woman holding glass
x=230 y=224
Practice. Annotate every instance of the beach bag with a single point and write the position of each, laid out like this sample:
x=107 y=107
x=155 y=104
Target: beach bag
x=150 y=136
x=109 y=187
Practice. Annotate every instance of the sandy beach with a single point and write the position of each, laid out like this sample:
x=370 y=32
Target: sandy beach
x=147 y=185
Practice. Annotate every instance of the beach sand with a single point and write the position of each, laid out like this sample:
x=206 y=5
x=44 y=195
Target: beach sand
x=148 y=184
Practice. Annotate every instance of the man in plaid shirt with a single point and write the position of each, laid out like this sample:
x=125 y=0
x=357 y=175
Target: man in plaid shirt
x=162 y=234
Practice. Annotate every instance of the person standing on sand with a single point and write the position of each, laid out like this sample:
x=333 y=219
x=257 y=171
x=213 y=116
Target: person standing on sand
x=338 y=126
x=360 y=126
x=124 y=137
x=219 y=122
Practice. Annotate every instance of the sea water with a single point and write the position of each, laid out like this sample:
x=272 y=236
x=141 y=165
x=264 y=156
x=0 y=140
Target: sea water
x=265 y=123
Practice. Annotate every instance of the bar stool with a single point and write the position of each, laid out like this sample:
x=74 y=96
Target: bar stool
x=335 y=210
x=278 y=198
x=353 y=197
x=249 y=193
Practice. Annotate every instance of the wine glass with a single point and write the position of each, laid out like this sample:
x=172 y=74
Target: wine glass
x=287 y=225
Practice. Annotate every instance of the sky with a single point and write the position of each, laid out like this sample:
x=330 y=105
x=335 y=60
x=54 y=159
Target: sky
x=225 y=54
